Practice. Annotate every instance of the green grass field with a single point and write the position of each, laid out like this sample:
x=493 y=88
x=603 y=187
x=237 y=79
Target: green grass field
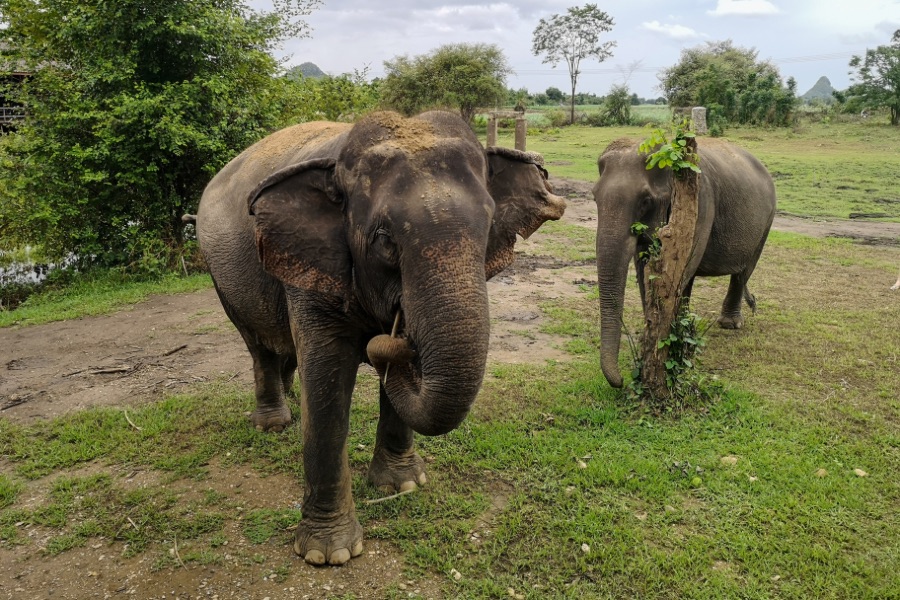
x=555 y=486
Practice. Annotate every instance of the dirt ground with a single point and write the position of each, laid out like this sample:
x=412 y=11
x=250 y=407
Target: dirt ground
x=168 y=343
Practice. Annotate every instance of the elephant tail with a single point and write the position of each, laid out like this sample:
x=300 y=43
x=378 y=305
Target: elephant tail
x=189 y=219
x=750 y=299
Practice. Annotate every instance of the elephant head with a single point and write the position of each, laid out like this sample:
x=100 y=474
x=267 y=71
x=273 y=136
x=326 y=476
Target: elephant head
x=408 y=217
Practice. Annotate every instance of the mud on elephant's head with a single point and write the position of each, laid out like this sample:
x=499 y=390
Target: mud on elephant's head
x=409 y=215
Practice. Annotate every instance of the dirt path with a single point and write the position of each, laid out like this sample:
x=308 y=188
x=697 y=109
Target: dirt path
x=168 y=343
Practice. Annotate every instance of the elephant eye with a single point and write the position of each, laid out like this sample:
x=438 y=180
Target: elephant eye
x=384 y=245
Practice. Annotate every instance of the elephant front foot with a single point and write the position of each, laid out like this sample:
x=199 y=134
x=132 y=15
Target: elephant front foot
x=396 y=472
x=730 y=322
x=273 y=419
x=332 y=542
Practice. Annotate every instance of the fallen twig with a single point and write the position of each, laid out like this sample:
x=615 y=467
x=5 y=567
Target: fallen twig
x=107 y=370
x=15 y=401
x=178 y=556
x=130 y=422
x=391 y=497
x=74 y=372
x=133 y=524
x=174 y=350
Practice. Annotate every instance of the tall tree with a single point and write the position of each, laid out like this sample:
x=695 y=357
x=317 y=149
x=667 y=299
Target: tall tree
x=573 y=37
x=462 y=76
x=731 y=81
x=878 y=78
x=132 y=106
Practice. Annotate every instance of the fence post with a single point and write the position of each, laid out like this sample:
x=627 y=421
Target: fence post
x=492 y=130
x=698 y=120
x=521 y=130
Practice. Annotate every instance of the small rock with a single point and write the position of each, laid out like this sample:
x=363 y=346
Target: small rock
x=821 y=473
x=728 y=461
x=456 y=575
x=402 y=586
x=752 y=478
x=860 y=473
x=569 y=490
x=585 y=548
x=582 y=464
x=669 y=508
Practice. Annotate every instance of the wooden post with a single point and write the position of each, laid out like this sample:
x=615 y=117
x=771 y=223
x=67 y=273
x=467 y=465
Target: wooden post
x=664 y=279
x=521 y=131
x=492 y=130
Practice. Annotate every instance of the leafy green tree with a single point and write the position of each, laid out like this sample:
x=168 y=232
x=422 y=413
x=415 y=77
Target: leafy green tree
x=341 y=98
x=744 y=89
x=555 y=94
x=463 y=76
x=133 y=105
x=573 y=37
x=617 y=106
x=878 y=78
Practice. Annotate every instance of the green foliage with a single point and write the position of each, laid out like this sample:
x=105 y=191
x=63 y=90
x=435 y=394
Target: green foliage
x=747 y=91
x=340 y=98
x=654 y=245
x=663 y=153
x=132 y=107
x=572 y=37
x=878 y=78
x=617 y=106
x=464 y=76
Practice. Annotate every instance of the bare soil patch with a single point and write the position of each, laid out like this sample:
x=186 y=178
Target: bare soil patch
x=169 y=343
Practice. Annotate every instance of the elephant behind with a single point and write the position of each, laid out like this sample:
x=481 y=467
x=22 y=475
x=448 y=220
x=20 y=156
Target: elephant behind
x=736 y=209
x=332 y=244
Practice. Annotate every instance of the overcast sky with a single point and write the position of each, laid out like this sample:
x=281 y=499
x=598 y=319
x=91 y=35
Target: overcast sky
x=805 y=39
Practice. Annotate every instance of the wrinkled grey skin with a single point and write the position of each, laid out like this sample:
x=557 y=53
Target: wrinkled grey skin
x=317 y=237
x=735 y=212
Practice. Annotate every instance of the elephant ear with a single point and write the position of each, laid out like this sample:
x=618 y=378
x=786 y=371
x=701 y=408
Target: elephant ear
x=298 y=216
x=523 y=200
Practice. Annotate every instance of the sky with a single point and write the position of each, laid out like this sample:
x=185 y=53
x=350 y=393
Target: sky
x=805 y=39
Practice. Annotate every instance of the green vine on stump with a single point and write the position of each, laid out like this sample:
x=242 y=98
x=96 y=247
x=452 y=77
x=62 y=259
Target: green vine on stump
x=672 y=154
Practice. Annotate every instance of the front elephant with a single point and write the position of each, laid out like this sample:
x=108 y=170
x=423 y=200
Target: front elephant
x=736 y=207
x=331 y=245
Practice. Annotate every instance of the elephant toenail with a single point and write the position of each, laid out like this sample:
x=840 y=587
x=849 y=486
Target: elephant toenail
x=357 y=548
x=422 y=479
x=339 y=557
x=408 y=486
x=314 y=557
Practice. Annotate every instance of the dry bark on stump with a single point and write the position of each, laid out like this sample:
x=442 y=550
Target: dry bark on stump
x=665 y=280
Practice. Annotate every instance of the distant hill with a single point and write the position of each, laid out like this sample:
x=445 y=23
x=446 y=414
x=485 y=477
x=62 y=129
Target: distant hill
x=307 y=69
x=822 y=90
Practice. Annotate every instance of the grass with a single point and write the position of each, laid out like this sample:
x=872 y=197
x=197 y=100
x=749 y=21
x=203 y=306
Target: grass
x=97 y=295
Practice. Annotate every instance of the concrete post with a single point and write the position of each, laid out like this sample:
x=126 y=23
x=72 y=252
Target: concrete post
x=521 y=130
x=492 y=130
x=698 y=117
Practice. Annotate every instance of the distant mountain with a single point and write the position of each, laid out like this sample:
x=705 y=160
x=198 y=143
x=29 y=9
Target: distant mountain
x=822 y=90
x=307 y=69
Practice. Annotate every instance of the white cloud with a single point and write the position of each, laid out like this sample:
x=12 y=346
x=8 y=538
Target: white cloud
x=744 y=8
x=676 y=32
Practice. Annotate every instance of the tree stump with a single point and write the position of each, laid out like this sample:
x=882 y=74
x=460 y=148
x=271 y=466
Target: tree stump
x=665 y=280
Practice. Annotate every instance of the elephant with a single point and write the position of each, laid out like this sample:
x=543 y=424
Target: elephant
x=335 y=244
x=736 y=207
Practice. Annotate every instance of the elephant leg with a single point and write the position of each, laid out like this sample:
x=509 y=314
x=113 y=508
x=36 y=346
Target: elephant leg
x=288 y=369
x=395 y=466
x=686 y=294
x=731 y=317
x=272 y=412
x=329 y=532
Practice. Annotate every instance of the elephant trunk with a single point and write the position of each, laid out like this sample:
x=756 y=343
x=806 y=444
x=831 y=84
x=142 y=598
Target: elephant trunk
x=614 y=252
x=447 y=323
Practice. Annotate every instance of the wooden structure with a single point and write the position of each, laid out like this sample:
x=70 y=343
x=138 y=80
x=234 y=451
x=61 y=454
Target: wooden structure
x=521 y=127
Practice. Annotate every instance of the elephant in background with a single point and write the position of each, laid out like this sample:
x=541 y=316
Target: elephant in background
x=736 y=209
x=331 y=245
